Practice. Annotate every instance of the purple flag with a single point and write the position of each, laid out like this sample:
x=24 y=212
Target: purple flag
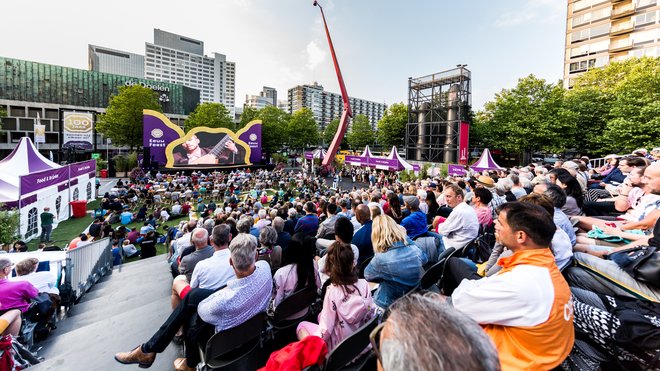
x=251 y=134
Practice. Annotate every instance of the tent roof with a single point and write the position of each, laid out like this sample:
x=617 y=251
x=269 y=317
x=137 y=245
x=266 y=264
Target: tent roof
x=486 y=162
x=367 y=152
x=23 y=160
x=403 y=164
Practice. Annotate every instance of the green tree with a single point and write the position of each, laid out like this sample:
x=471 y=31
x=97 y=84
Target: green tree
x=9 y=223
x=629 y=115
x=212 y=115
x=588 y=110
x=525 y=119
x=330 y=131
x=249 y=114
x=3 y=113
x=392 y=127
x=361 y=132
x=302 y=130
x=122 y=121
x=274 y=128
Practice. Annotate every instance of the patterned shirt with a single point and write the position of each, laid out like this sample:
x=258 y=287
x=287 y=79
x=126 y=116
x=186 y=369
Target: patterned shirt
x=241 y=300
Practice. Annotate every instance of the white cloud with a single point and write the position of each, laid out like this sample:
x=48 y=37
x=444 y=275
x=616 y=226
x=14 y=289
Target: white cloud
x=314 y=55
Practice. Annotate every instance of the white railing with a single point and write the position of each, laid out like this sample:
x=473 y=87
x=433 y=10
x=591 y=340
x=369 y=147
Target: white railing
x=597 y=162
x=86 y=265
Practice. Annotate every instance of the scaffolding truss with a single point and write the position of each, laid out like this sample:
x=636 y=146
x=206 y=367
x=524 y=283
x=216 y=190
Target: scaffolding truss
x=437 y=104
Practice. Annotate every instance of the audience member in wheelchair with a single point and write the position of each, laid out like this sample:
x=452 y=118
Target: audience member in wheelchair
x=300 y=270
x=397 y=262
x=410 y=340
x=347 y=304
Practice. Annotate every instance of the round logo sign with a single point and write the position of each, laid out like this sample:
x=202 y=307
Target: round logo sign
x=156 y=133
x=253 y=137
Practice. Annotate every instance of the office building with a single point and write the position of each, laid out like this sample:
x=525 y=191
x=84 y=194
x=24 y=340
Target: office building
x=327 y=106
x=117 y=62
x=602 y=31
x=267 y=97
x=30 y=89
x=180 y=60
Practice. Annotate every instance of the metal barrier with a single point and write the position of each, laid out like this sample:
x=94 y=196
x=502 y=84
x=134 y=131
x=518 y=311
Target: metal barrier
x=597 y=162
x=85 y=265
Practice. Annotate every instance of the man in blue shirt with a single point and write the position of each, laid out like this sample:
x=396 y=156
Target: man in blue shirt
x=415 y=223
x=308 y=224
x=362 y=237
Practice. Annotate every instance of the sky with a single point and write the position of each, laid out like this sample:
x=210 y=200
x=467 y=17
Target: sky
x=281 y=43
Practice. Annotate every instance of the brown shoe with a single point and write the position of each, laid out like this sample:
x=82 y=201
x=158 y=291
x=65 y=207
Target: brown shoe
x=181 y=365
x=144 y=360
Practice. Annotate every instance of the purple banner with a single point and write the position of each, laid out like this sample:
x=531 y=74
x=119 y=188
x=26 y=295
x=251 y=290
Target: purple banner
x=251 y=134
x=158 y=133
x=82 y=168
x=456 y=170
x=43 y=179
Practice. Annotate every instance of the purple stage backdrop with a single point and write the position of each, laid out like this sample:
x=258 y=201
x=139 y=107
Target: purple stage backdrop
x=456 y=170
x=43 y=179
x=82 y=168
x=251 y=134
x=158 y=134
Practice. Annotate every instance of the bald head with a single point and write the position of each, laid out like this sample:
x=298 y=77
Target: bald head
x=652 y=177
x=200 y=238
x=362 y=213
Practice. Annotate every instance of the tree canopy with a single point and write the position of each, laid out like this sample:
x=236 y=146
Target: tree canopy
x=330 y=131
x=361 y=133
x=212 y=115
x=274 y=128
x=249 y=114
x=302 y=130
x=122 y=120
x=392 y=127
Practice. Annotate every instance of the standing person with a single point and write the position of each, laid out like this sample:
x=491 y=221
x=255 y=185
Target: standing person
x=46 y=224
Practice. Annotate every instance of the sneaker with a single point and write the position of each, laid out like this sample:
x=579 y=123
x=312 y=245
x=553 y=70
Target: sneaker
x=144 y=360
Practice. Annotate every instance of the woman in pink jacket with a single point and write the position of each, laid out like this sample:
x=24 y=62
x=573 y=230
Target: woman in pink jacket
x=347 y=305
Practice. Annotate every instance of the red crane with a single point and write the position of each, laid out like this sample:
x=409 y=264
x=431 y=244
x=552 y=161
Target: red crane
x=346 y=113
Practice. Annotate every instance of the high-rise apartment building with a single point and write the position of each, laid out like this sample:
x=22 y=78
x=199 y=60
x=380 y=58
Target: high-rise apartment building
x=327 y=106
x=117 y=62
x=180 y=60
x=602 y=31
x=175 y=59
x=267 y=97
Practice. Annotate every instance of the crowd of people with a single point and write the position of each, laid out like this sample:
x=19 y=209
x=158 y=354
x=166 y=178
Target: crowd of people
x=554 y=289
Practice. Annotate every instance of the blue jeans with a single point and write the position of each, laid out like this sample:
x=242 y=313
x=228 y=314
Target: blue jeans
x=45 y=232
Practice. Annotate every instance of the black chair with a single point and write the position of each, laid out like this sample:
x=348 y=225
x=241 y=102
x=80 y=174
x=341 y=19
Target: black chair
x=294 y=303
x=226 y=348
x=433 y=275
x=341 y=358
x=363 y=266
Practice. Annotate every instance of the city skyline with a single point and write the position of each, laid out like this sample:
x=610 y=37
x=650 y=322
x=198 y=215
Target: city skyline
x=283 y=44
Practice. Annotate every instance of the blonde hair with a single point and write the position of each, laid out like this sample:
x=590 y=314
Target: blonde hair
x=385 y=232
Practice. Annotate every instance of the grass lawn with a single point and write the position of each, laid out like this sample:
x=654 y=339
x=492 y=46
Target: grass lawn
x=68 y=229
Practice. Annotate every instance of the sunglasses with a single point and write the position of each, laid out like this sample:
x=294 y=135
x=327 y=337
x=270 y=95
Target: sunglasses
x=374 y=339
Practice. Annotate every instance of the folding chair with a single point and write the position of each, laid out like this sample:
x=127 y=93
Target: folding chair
x=226 y=348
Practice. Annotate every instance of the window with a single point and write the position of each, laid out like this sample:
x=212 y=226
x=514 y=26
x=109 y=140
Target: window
x=58 y=205
x=643 y=3
x=33 y=227
x=76 y=194
x=645 y=19
x=89 y=190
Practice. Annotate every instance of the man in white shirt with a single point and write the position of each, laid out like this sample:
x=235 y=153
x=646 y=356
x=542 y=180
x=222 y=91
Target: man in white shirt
x=214 y=272
x=462 y=225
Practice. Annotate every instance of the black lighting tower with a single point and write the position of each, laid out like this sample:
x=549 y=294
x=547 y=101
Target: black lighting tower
x=437 y=104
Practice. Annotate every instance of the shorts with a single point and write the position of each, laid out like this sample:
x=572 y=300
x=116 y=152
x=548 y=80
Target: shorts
x=185 y=292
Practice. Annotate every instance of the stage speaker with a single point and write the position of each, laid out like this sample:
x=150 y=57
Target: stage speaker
x=146 y=157
x=111 y=168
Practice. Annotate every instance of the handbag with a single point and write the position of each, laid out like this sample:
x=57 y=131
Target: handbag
x=641 y=262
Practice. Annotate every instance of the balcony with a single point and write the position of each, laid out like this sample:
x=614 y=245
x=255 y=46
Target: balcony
x=623 y=11
x=620 y=45
x=622 y=28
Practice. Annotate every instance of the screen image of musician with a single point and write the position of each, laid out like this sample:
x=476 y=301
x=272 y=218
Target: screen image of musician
x=206 y=148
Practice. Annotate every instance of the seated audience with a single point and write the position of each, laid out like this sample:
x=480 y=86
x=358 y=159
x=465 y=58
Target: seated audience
x=480 y=201
x=200 y=239
x=397 y=262
x=299 y=271
x=269 y=251
x=14 y=294
x=409 y=339
x=462 y=226
x=347 y=304
x=362 y=236
x=415 y=223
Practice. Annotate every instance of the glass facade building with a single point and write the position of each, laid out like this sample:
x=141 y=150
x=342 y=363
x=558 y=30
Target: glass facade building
x=45 y=83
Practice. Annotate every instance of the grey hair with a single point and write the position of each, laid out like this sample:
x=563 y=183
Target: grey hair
x=503 y=186
x=245 y=224
x=200 y=237
x=4 y=263
x=292 y=213
x=268 y=236
x=243 y=252
x=416 y=344
x=278 y=224
x=262 y=214
x=221 y=234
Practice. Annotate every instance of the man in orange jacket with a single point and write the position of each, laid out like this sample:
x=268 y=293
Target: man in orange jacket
x=526 y=308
